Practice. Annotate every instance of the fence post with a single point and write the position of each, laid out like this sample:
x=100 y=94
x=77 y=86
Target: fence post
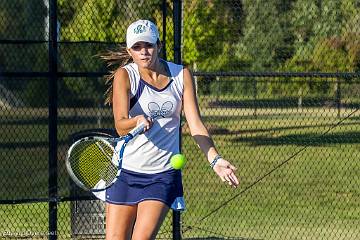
x=177 y=18
x=255 y=93
x=338 y=96
x=164 y=23
x=52 y=79
x=218 y=89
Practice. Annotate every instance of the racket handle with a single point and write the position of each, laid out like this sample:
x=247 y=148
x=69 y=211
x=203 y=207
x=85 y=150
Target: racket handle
x=138 y=129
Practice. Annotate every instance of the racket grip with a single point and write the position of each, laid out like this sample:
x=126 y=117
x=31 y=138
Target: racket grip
x=138 y=129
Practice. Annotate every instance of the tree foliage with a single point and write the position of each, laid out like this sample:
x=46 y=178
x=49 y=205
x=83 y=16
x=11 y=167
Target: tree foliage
x=209 y=30
x=97 y=20
x=265 y=37
x=218 y=35
x=23 y=20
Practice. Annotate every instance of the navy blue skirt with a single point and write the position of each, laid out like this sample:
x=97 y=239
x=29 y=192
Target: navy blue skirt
x=133 y=187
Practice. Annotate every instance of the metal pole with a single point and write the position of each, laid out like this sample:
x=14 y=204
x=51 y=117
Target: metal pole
x=177 y=30
x=177 y=59
x=338 y=96
x=255 y=93
x=164 y=15
x=53 y=61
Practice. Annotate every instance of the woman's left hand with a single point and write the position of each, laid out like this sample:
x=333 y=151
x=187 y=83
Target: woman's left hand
x=226 y=171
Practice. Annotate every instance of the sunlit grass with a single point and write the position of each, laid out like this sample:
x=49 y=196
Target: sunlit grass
x=314 y=195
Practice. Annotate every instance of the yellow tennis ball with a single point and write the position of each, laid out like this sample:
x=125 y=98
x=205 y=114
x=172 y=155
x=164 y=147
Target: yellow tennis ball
x=178 y=161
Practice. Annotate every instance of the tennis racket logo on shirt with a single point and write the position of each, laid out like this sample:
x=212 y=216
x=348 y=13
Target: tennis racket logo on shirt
x=157 y=111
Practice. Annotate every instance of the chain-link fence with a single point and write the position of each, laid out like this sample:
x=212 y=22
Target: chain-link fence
x=278 y=88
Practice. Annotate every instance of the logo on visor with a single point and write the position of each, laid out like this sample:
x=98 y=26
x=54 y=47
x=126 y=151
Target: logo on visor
x=139 y=29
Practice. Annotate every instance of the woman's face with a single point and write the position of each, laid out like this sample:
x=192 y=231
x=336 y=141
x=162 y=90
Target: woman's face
x=144 y=54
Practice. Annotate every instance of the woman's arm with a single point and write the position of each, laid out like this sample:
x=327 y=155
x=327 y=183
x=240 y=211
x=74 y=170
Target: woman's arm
x=121 y=103
x=223 y=168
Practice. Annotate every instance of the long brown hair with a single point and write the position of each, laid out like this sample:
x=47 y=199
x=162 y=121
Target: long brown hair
x=114 y=60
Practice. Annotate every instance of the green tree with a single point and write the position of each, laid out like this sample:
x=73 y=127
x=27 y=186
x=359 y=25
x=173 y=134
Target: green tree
x=22 y=20
x=96 y=20
x=351 y=32
x=325 y=40
x=211 y=29
x=303 y=18
x=265 y=38
x=316 y=23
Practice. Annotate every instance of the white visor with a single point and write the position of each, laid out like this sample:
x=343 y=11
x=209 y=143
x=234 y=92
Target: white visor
x=141 y=31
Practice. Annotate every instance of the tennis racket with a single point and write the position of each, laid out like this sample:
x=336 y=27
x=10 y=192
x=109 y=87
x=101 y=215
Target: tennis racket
x=92 y=162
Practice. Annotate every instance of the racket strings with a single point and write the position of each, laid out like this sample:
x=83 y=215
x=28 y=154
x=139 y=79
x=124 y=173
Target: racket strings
x=91 y=163
x=106 y=171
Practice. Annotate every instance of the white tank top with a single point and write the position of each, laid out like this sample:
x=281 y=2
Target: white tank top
x=150 y=152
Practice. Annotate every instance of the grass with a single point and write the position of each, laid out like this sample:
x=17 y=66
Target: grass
x=23 y=220
x=314 y=195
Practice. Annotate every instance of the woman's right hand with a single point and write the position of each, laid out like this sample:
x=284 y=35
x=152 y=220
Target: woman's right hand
x=141 y=119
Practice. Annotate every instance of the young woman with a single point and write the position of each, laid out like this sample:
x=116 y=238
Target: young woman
x=147 y=89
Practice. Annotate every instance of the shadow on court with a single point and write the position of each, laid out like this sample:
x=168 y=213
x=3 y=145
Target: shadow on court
x=218 y=238
x=289 y=102
x=311 y=139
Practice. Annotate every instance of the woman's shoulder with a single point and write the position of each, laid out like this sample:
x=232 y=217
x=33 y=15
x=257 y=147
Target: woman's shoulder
x=173 y=65
x=130 y=70
x=179 y=67
x=130 y=67
x=121 y=74
x=175 y=69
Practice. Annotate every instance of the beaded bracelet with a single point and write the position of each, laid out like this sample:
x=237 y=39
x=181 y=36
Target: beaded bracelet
x=217 y=157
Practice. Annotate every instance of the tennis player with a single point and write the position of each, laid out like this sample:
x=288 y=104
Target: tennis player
x=147 y=89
